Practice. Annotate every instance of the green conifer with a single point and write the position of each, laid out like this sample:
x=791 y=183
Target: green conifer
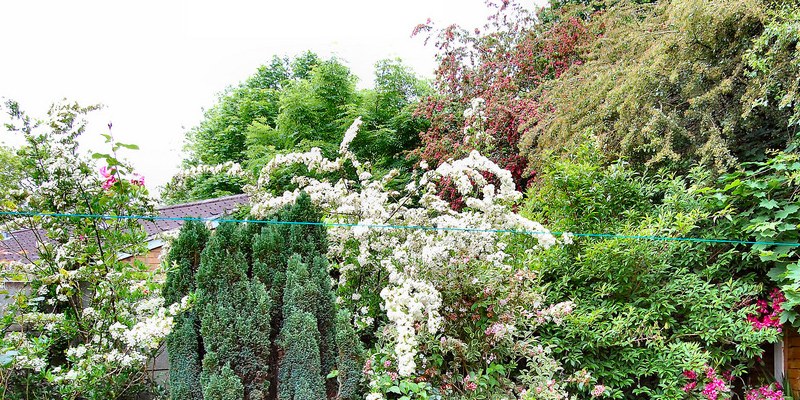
x=350 y=358
x=184 y=344
x=234 y=315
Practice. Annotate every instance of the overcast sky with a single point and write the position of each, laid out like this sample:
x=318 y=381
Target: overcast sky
x=156 y=64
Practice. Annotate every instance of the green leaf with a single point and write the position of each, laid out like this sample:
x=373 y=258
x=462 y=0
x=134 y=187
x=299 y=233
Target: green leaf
x=7 y=358
x=99 y=155
x=395 y=389
x=732 y=185
x=776 y=273
x=128 y=146
x=333 y=374
x=793 y=272
x=788 y=316
x=768 y=204
x=788 y=210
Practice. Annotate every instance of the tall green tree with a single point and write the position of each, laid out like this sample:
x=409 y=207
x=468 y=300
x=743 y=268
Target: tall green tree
x=265 y=323
x=184 y=344
x=235 y=311
x=391 y=129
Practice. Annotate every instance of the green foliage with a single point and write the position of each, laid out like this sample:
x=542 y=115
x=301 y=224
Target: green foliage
x=234 y=312
x=291 y=258
x=667 y=84
x=300 y=370
x=10 y=174
x=185 y=361
x=224 y=385
x=221 y=135
x=350 y=359
x=645 y=310
x=265 y=319
x=763 y=197
x=184 y=345
x=313 y=109
x=294 y=106
x=390 y=127
x=184 y=260
x=774 y=62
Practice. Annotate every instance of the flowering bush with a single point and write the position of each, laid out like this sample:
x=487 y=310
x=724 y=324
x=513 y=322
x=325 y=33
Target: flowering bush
x=89 y=322
x=404 y=286
x=768 y=315
x=669 y=305
x=771 y=392
x=489 y=83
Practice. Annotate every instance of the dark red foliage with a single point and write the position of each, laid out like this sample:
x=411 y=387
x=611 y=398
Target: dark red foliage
x=505 y=66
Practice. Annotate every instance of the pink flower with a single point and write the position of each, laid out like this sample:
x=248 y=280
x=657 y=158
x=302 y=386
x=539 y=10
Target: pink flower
x=109 y=182
x=712 y=389
x=690 y=374
x=471 y=386
x=138 y=180
x=598 y=390
x=387 y=363
x=689 y=386
x=107 y=172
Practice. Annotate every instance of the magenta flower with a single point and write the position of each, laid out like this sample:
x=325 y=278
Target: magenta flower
x=138 y=180
x=109 y=182
x=107 y=172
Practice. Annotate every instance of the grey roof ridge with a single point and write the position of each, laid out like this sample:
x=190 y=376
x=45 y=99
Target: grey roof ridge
x=204 y=201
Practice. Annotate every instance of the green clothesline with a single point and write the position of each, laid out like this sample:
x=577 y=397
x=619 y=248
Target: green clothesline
x=600 y=235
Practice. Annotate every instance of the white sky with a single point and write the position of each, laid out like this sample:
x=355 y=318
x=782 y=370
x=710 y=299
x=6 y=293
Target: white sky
x=156 y=64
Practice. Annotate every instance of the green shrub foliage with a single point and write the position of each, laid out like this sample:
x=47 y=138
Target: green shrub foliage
x=673 y=83
x=646 y=310
x=184 y=344
x=350 y=358
x=235 y=312
x=264 y=322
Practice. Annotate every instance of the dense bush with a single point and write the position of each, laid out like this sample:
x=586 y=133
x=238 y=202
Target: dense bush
x=647 y=310
x=674 y=83
x=264 y=323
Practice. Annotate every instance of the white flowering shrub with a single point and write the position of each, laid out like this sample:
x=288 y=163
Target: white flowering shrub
x=88 y=323
x=411 y=255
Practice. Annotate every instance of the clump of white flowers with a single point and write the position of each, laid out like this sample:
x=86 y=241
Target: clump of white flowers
x=389 y=239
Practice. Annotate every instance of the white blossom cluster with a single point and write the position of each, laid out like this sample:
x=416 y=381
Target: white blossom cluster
x=475 y=109
x=148 y=333
x=407 y=302
x=554 y=313
x=229 y=168
x=411 y=302
x=475 y=117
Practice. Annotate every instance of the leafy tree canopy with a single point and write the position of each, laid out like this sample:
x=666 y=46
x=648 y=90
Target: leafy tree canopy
x=674 y=83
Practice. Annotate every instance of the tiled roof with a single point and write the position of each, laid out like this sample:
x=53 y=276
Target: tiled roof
x=21 y=245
